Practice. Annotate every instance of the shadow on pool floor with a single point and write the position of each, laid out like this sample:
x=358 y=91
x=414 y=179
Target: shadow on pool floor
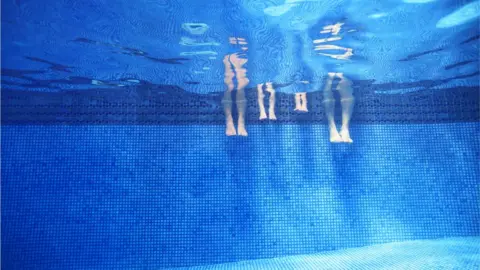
x=452 y=253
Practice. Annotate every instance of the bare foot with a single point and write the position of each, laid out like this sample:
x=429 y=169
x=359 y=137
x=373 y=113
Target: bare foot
x=263 y=115
x=271 y=114
x=334 y=136
x=241 y=127
x=298 y=108
x=242 y=131
x=345 y=134
x=230 y=131
x=304 y=109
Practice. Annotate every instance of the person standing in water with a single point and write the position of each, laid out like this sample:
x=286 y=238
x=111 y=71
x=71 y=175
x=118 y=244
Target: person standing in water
x=344 y=86
x=301 y=100
x=271 y=101
x=234 y=63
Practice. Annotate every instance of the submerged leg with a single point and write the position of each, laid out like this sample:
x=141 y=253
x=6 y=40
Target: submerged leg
x=261 y=105
x=227 y=98
x=241 y=106
x=347 y=109
x=298 y=102
x=243 y=81
x=271 y=102
x=303 y=97
x=346 y=93
x=227 y=108
x=329 y=103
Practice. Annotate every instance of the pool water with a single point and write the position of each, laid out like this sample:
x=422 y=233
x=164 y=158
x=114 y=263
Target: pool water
x=182 y=134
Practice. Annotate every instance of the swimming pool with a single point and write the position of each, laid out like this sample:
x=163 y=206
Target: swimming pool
x=193 y=134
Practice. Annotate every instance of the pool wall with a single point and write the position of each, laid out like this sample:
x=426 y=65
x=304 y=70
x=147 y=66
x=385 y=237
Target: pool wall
x=146 y=197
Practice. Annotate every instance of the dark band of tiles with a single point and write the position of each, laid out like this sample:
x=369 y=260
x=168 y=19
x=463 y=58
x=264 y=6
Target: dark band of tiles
x=171 y=105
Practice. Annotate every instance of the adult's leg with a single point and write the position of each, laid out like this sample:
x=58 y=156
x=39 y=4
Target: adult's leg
x=241 y=107
x=227 y=97
x=346 y=97
x=243 y=81
x=329 y=103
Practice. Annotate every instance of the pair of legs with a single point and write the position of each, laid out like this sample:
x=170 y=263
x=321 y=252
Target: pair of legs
x=301 y=102
x=345 y=90
x=271 y=101
x=234 y=67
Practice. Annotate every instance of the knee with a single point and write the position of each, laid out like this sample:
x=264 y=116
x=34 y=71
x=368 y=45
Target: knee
x=230 y=86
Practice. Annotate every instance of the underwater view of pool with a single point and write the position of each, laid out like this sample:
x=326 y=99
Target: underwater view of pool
x=240 y=134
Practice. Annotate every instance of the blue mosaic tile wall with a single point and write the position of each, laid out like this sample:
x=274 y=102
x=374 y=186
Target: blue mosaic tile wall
x=150 y=104
x=114 y=153
x=147 y=197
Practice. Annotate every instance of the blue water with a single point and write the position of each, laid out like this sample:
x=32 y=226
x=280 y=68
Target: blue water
x=112 y=41
x=115 y=154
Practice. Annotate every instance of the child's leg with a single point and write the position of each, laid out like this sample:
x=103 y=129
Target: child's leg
x=261 y=105
x=271 y=101
x=303 y=97
x=298 y=102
